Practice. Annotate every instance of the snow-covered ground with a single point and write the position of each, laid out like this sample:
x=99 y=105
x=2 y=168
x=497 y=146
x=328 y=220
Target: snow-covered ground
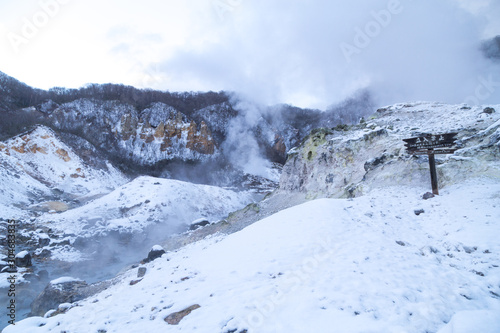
x=37 y=163
x=44 y=157
x=368 y=264
x=144 y=201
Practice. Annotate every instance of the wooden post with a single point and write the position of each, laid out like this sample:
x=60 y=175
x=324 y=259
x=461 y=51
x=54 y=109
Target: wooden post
x=431 y=144
x=432 y=166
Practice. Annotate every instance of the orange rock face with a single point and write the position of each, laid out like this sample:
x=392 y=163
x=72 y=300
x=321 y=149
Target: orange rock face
x=63 y=154
x=200 y=141
x=171 y=132
x=279 y=145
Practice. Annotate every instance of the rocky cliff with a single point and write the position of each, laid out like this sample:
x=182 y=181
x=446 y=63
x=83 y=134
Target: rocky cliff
x=156 y=133
x=349 y=161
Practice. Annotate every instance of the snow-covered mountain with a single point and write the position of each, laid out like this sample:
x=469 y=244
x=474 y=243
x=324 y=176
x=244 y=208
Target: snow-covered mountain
x=361 y=250
x=38 y=167
x=158 y=133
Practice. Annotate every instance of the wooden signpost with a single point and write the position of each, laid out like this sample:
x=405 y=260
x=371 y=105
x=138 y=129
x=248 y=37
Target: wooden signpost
x=430 y=145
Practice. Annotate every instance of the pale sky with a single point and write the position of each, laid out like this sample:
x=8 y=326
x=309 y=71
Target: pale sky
x=306 y=53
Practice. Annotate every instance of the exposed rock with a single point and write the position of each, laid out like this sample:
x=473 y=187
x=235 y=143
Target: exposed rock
x=419 y=211
x=42 y=253
x=64 y=290
x=176 y=317
x=63 y=154
x=57 y=292
x=9 y=269
x=374 y=162
x=198 y=224
x=279 y=146
x=428 y=195
x=23 y=259
x=156 y=252
x=488 y=110
x=43 y=240
x=3 y=264
x=134 y=282
x=141 y=272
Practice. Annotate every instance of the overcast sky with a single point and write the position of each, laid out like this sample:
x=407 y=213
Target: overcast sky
x=307 y=53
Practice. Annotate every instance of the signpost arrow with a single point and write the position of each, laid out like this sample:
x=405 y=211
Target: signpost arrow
x=429 y=141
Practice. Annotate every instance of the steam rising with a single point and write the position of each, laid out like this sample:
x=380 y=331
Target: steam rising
x=240 y=146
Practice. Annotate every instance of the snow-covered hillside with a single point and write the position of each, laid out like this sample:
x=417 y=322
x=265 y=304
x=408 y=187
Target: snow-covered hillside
x=166 y=205
x=349 y=161
x=147 y=200
x=48 y=160
x=37 y=166
x=368 y=264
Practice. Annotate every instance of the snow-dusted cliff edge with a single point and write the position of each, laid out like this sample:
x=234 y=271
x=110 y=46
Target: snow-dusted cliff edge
x=347 y=163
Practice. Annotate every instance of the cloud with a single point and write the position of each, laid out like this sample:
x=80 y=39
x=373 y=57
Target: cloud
x=308 y=53
x=291 y=51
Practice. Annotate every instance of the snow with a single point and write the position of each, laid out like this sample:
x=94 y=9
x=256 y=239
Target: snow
x=145 y=201
x=367 y=264
x=484 y=321
x=64 y=279
x=36 y=162
x=202 y=219
x=22 y=254
x=157 y=248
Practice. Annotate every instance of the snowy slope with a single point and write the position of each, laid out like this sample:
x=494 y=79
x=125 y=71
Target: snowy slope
x=18 y=189
x=37 y=166
x=46 y=159
x=343 y=163
x=144 y=201
x=367 y=264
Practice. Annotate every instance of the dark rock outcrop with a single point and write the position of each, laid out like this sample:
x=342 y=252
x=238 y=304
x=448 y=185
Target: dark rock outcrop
x=64 y=290
x=156 y=252
x=23 y=259
x=199 y=224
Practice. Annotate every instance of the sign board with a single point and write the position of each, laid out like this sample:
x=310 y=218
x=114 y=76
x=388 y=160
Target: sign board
x=430 y=141
x=432 y=151
x=431 y=144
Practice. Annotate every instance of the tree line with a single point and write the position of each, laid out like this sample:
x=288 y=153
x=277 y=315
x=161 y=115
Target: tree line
x=16 y=95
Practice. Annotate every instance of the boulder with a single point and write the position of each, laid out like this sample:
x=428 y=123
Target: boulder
x=427 y=195
x=43 y=240
x=141 y=272
x=418 y=211
x=198 y=224
x=62 y=290
x=156 y=252
x=23 y=259
x=176 y=317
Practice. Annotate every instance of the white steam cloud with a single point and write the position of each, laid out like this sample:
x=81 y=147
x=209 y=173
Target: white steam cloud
x=240 y=146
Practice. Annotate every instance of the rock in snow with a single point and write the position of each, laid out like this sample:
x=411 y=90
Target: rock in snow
x=156 y=252
x=23 y=259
